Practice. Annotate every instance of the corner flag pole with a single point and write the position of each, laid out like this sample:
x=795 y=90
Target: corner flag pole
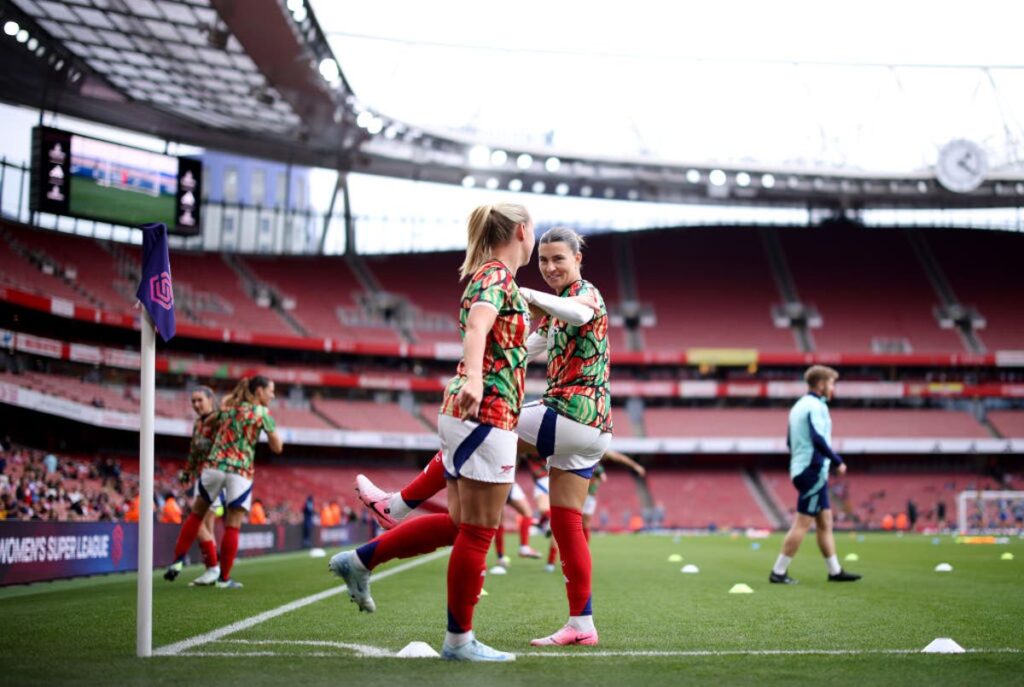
x=144 y=619
x=156 y=295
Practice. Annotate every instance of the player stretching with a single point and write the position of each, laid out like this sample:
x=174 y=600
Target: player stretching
x=243 y=416
x=476 y=427
x=811 y=454
x=204 y=431
x=570 y=427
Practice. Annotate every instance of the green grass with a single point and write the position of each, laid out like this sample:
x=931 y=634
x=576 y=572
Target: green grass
x=82 y=631
x=89 y=199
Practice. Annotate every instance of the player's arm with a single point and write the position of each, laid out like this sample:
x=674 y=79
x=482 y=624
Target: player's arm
x=576 y=311
x=275 y=442
x=536 y=347
x=621 y=458
x=816 y=422
x=478 y=325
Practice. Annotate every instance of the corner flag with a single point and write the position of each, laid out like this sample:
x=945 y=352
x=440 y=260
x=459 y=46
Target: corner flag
x=155 y=290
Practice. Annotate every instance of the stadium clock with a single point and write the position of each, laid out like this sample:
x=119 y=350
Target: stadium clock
x=961 y=166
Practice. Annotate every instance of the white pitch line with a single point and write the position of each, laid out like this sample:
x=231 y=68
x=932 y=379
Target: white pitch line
x=199 y=640
x=361 y=649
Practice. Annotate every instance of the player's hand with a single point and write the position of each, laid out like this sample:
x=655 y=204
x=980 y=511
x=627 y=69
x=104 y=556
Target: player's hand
x=841 y=469
x=470 y=395
x=588 y=300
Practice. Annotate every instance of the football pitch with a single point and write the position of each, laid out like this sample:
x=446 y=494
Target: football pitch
x=289 y=625
x=89 y=199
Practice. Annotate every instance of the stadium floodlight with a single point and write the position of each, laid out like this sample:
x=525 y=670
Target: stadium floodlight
x=468 y=181
x=562 y=189
x=524 y=161
x=515 y=185
x=364 y=118
x=693 y=176
x=11 y=28
x=22 y=36
x=552 y=164
x=391 y=132
x=376 y=126
x=743 y=179
x=922 y=187
x=498 y=158
x=539 y=186
x=609 y=192
x=479 y=155
x=717 y=177
x=295 y=5
x=32 y=44
x=768 y=180
x=491 y=183
x=300 y=14
x=586 y=191
x=633 y=194
x=329 y=70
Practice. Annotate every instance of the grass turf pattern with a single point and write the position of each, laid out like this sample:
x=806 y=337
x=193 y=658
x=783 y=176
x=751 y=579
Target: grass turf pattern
x=83 y=631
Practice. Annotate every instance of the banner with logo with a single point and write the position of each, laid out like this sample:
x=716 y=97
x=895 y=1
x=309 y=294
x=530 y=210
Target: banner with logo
x=38 y=551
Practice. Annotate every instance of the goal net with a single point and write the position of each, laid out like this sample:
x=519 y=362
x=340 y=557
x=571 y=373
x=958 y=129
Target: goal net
x=990 y=511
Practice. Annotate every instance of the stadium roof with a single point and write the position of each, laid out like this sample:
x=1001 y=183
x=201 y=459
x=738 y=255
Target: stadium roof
x=521 y=102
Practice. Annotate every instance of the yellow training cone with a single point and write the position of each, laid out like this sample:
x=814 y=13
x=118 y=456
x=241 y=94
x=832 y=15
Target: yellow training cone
x=741 y=589
x=675 y=558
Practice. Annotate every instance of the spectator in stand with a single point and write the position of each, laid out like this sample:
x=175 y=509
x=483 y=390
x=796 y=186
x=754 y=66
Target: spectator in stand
x=940 y=514
x=335 y=513
x=171 y=511
x=308 y=511
x=51 y=463
x=911 y=512
x=326 y=515
x=257 y=516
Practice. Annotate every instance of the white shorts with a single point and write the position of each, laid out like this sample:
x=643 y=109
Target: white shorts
x=568 y=445
x=516 y=493
x=476 y=451
x=541 y=487
x=194 y=493
x=238 y=490
x=590 y=505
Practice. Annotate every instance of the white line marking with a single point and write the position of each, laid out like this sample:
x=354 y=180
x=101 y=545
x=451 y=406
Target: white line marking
x=361 y=649
x=199 y=640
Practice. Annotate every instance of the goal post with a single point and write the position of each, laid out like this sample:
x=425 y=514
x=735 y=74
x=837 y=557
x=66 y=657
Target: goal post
x=986 y=505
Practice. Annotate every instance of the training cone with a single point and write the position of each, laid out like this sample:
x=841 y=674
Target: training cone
x=943 y=567
x=675 y=558
x=418 y=650
x=690 y=569
x=317 y=553
x=755 y=545
x=497 y=570
x=851 y=558
x=741 y=589
x=483 y=592
x=1006 y=556
x=943 y=645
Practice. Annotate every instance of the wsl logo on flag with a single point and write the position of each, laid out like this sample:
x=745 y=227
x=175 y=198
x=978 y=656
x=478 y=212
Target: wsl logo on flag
x=156 y=289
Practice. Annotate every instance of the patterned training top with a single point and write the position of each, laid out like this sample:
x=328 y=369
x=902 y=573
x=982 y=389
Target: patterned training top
x=504 y=365
x=578 y=364
x=537 y=466
x=235 y=446
x=203 y=434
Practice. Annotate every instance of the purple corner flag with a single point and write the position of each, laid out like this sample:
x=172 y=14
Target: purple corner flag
x=155 y=291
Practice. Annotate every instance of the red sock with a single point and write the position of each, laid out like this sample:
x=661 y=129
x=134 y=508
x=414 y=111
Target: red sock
x=228 y=551
x=499 y=541
x=426 y=484
x=524 y=531
x=209 y=549
x=187 y=535
x=567 y=526
x=413 y=537
x=552 y=552
x=466 y=574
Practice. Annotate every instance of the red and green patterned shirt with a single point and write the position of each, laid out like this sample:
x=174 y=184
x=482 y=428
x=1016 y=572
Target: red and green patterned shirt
x=504 y=365
x=203 y=434
x=235 y=446
x=578 y=364
x=537 y=466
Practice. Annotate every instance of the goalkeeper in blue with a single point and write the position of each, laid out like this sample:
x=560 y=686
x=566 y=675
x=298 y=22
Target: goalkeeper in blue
x=811 y=455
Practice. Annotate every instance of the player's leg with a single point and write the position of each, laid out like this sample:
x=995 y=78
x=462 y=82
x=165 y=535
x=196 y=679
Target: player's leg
x=827 y=545
x=517 y=499
x=209 y=479
x=790 y=545
x=391 y=508
x=238 y=492
x=578 y=449
x=208 y=547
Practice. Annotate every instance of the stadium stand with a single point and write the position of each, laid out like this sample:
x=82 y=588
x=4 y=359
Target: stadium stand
x=869 y=289
x=709 y=289
x=369 y=416
x=718 y=499
x=1009 y=423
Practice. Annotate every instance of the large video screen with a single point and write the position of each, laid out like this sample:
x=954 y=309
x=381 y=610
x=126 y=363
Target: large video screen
x=85 y=177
